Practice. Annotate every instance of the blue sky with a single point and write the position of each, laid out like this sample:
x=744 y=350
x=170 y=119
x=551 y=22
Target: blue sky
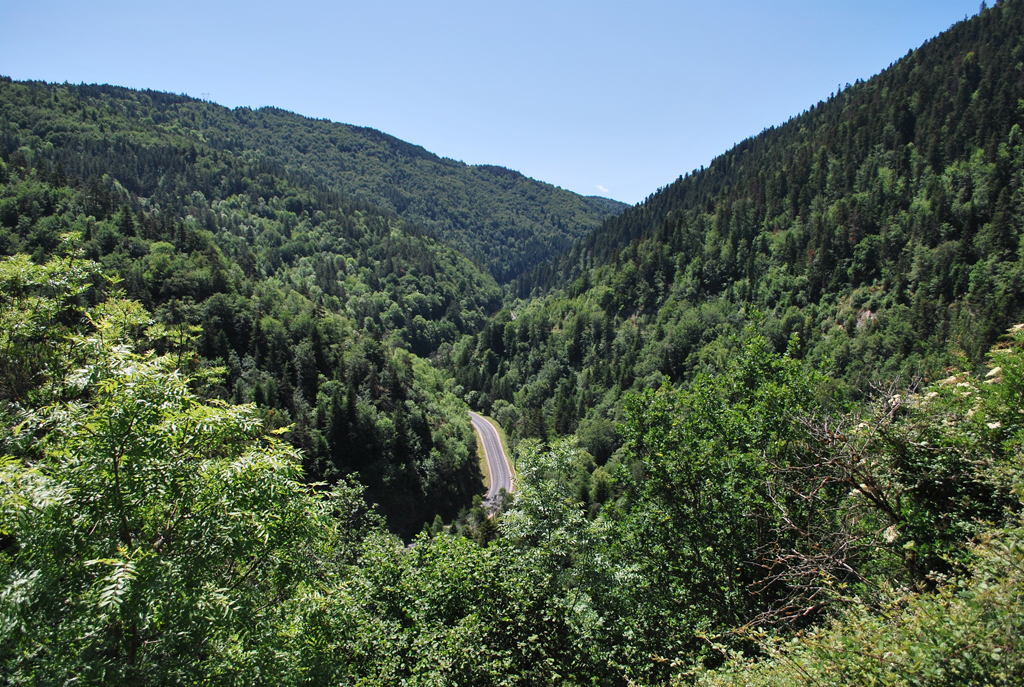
x=602 y=98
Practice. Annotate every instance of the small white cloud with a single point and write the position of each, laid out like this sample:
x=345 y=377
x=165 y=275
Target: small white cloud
x=602 y=189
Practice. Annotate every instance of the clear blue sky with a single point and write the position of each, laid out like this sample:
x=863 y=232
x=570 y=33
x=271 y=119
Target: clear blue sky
x=602 y=98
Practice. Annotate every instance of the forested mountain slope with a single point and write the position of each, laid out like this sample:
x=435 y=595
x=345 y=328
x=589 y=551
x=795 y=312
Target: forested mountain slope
x=320 y=310
x=882 y=228
x=189 y=336
x=150 y=535
x=506 y=222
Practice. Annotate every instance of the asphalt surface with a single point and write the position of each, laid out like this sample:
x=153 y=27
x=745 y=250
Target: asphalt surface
x=497 y=461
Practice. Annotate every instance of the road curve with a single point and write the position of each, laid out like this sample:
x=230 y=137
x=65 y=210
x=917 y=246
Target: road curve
x=497 y=461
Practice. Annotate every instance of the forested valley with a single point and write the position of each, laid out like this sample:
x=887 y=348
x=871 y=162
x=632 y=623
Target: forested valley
x=767 y=426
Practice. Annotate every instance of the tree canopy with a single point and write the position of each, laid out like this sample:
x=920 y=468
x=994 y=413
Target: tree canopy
x=767 y=427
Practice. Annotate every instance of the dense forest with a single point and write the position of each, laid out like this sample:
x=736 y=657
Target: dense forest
x=768 y=426
x=154 y=534
x=321 y=311
x=505 y=222
x=881 y=227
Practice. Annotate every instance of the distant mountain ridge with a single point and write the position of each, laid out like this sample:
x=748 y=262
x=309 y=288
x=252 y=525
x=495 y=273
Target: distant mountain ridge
x=501 y=219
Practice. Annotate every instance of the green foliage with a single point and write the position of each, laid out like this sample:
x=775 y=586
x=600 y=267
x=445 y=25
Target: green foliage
x=309 y=304
x=884 y=503
x=698 y=499
x=502 y=220
x=149 y=537
x=882 y=227
x=740 y=506
x=968 y=633
x=37 y=305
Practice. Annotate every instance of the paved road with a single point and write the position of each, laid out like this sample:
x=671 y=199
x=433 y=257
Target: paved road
x=497 y=461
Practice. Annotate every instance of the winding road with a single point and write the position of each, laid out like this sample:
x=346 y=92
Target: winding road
x=497 y=461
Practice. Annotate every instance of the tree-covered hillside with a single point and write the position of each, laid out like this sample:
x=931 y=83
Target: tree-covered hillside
x=321 y=311
x=151 y=534
x=505 y=222
x=881 y=227
x=795 y=381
